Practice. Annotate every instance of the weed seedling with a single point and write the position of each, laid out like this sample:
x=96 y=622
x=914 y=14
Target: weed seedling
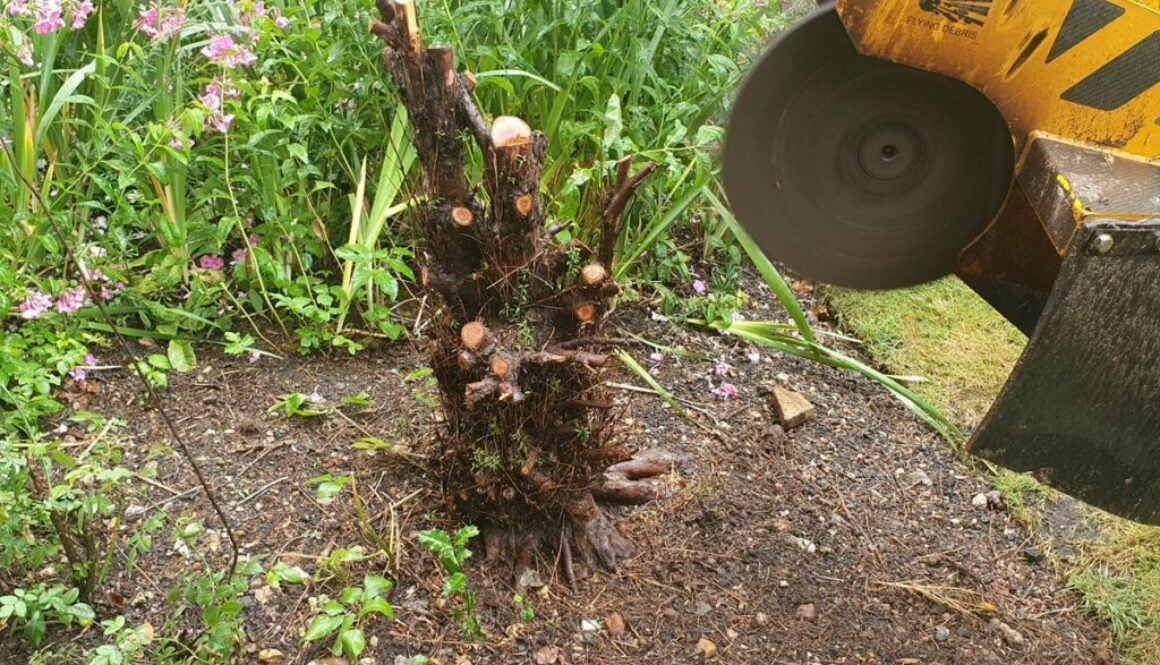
x=452 y=553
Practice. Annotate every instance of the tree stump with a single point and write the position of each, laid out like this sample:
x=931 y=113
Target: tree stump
x=526 y=418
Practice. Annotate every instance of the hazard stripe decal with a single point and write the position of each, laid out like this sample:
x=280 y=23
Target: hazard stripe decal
x=1084 y=19
x=1122 y=79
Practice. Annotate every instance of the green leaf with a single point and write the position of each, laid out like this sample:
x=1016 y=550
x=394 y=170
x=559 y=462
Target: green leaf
x=376 y=585
x=298 y=151
x=181 y=355
x=456 y=583
x=377 y=606
x=83 y=614
x=62 y=97
x=283 y=572
x=368 y=443
x=321 y=627
x=353 y=642
x=613 y=122
x=518 y=72
x=361 y=399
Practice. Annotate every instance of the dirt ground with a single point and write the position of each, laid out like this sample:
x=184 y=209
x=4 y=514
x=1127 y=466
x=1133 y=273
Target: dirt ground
x=853 y=539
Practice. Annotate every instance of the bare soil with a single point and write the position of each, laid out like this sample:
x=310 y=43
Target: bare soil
x=852 y=539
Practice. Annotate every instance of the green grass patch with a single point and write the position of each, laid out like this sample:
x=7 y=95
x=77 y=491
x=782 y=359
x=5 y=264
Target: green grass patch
x=941 y=331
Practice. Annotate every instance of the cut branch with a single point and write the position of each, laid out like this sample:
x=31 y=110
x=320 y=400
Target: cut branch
x=613 y=222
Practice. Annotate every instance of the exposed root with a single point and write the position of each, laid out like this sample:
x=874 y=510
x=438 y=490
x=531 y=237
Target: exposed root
x=597 y=539
x=631 y=481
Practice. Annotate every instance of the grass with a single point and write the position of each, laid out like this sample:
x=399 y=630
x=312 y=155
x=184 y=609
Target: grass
x=944 y=332
x=941 y=331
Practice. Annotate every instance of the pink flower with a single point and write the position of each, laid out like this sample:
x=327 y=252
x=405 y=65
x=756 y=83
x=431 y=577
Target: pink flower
x=160 y=22
x=18 y=8
x=70 y=301
x=656 y=356
x=254 y=240
x=35 y=305
x=214 y=98
x=223 y=50
x=239 y=256
x=108 y=293
x=726 y=390
x=255 y=357
x=698 y=286
x=753 y=356
x=721 y=369
x=81 y=13
x=256 y=10
x=216 y=93
x=211 y=262
x=80 y=372
x=48 y=17
x=281 y=22
x=219 y=122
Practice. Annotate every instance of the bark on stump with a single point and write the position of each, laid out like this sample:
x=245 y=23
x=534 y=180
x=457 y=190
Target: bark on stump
x=527 y=424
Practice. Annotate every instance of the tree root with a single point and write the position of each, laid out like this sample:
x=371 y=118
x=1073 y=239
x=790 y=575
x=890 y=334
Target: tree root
x=628 y=482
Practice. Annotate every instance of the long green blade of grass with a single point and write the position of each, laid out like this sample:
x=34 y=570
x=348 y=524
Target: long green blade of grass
x=768 y=271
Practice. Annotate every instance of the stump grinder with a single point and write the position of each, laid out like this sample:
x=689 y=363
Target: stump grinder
x=1015 y=143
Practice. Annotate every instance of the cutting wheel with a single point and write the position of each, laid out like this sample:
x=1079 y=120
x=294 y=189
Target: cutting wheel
x=861 y=172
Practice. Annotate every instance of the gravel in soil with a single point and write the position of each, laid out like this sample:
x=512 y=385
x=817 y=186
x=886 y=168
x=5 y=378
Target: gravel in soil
x=852 y=539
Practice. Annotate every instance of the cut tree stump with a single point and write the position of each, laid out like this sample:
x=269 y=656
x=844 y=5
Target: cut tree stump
x=527 y=420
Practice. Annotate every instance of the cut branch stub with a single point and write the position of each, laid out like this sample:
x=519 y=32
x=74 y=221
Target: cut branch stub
x=508 y=131
x=613 y=221
x=475 y=336
x=593 y=274
x=585 y=312
x=463 y=217
x=501 y=365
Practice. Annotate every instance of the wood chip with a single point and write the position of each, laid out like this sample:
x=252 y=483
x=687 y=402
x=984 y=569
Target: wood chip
x=793 y=409
x=706 y=650
x=615 y=624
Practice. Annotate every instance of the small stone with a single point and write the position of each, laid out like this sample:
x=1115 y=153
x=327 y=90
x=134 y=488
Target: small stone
x=807 y=612
x=761 y=618
x=1010 y=635
x=994 y=499
x=919 y=477
x=589 y=626
x=804 y=544
x=1032 y=554
x=548 y=655
x=793 y=409
x=942 y=634
x=530 y=579
x=702 y=609
x=784 y=584
x=980 y=501
x=706 y=650
x=615 y=624
x=271 y=656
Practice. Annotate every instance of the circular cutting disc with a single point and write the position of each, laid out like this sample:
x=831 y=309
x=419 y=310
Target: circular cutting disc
x=860 y=172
